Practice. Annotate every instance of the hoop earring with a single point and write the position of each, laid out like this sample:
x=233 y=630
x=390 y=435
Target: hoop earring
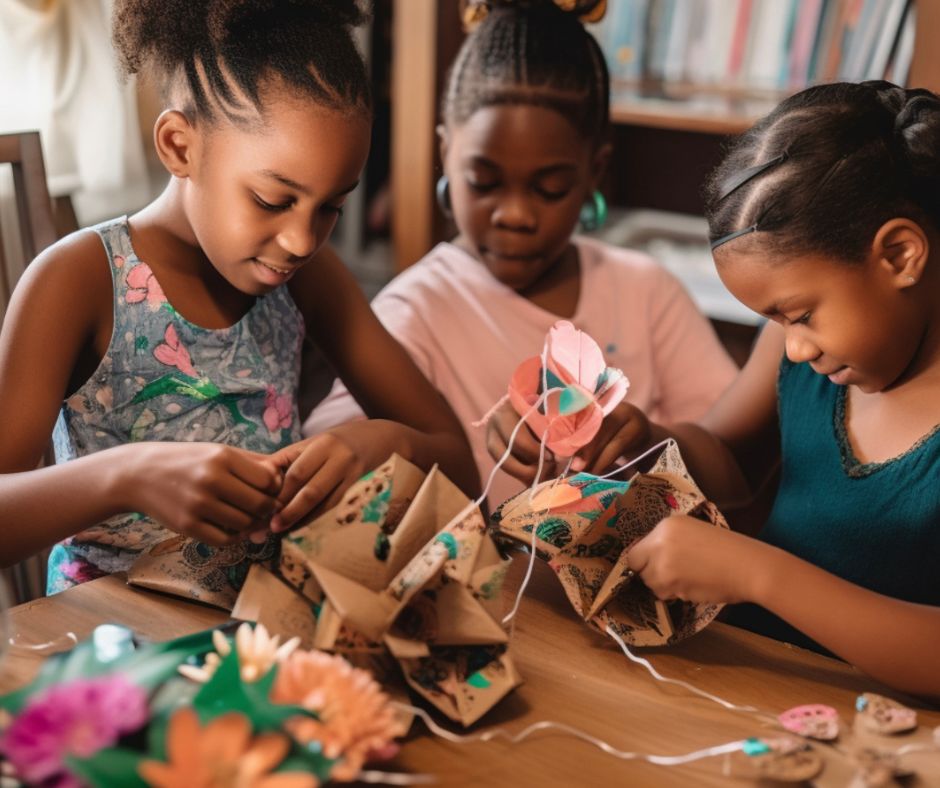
x=593 y=212
x=442 y=194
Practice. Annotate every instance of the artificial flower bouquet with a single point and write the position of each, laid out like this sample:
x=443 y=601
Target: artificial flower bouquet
x=203 y=710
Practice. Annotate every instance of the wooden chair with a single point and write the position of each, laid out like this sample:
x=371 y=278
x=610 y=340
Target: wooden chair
x=37 y=230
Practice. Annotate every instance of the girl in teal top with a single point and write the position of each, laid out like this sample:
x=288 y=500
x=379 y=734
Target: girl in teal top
x=166 y=347
x=824 y=218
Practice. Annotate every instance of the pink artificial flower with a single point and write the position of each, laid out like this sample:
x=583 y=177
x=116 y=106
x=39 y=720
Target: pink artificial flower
x=586 y=390
x=278 y=410
x=141 y=285
x=77 y=718
x=174 y=354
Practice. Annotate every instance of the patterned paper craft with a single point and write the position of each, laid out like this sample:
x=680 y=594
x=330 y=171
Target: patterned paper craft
x=584 y=527
x=582 y=389
x=878 y=714
x=402 y=565
x=814 y=720
x=778 y=758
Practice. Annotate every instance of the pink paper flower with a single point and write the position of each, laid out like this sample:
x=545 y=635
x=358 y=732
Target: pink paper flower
x=583 y=389
x=143 y=285
x=278 y=410
x=78 y=718
x=173 y=353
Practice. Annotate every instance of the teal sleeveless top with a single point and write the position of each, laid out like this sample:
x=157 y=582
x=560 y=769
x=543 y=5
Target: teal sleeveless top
x=874 y=524
x=166 y=379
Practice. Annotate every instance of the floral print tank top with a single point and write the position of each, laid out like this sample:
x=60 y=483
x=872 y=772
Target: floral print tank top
x=166 y=379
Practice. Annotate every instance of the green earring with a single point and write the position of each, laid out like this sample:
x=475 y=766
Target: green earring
x=593 y=212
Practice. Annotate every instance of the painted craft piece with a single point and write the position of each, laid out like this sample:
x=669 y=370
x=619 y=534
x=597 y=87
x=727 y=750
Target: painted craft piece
x=815 y=721
x=583 y=389
x=584 y=527
x=780 y=758
x=402 y=566
x=877 y=714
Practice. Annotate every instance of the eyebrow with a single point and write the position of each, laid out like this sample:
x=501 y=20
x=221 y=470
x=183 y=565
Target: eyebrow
x=292 y=184
x=549 y=170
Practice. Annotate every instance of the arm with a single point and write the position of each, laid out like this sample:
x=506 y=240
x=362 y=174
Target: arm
x=893 y=641
x=407 y=414
x=57 y=326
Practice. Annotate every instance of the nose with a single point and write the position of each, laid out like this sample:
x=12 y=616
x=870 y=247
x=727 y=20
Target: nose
x=515 y=212
x=800 y=348
x=297 y=236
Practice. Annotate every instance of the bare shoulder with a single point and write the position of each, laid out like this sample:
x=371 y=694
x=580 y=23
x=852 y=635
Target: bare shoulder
x=78 y=260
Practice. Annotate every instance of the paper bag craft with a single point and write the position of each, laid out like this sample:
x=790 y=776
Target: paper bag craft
x=402 y=565
x=184 y=567
x=584 y=527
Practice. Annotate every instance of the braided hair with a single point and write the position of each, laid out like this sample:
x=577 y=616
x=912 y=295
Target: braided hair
x=223 y=52
x=826 y=168
x=533 y=53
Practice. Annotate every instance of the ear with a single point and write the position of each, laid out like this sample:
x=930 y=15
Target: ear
x=599 y=163
x=900 y=249
x=177 y=142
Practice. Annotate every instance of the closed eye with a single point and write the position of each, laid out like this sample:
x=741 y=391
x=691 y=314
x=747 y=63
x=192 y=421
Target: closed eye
x=272 y=207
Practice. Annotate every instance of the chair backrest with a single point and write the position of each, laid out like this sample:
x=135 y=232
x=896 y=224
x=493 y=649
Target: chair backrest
x=23 y=152
x=37 y=230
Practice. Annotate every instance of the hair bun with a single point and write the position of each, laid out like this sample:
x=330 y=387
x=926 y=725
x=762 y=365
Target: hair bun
x=473 y=12
x=222 y=16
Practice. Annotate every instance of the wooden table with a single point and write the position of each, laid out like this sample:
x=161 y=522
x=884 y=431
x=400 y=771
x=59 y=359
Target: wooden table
x=572 y=675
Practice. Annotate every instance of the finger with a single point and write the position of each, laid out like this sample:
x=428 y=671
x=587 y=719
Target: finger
x=586 y=458
x=256 y=470
x=259 y=537
x=525 y=445
x=625 y=440
x=526 y=473
x=314 y=491
x=304 y=468
x=256 y=505
x=228 y=518
x=208 y=533
x=638 y=556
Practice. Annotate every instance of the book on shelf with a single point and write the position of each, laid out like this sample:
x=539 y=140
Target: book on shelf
x=757 y=45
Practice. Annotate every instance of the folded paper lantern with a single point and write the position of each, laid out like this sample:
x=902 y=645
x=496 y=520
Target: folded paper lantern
x=584 y=527
x=582 y=389
x=402 y=565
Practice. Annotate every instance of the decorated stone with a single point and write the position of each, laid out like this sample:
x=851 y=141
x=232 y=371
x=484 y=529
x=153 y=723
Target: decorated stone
x=814 y=721
x=877 y=714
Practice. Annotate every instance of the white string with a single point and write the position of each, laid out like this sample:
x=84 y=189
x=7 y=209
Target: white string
x=535 y=727
x=690 y=687
x=528 y=572
x=635 y=460
x=49 y=647
x=376 y=777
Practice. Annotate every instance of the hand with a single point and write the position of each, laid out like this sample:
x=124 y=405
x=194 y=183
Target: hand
x=523 y=461
x=625 y=430
x=320 y=469
x=685 y=558
x=215 y=493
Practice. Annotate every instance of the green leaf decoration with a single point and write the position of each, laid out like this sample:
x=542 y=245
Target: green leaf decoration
x=112 y=767
x=177 y=383
x=226 y=692
x=554 y=531
x=146 y=666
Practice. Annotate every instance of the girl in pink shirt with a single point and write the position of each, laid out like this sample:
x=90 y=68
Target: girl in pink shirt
x=524 y=147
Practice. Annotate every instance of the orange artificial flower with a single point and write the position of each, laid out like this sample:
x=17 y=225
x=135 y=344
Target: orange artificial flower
x=222 y=754
x=356 y=720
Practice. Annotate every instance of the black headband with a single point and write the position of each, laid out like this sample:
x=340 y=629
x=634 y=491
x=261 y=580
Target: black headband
x=736 y=182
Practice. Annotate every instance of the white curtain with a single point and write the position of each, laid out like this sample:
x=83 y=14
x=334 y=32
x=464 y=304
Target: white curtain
x=58 y=75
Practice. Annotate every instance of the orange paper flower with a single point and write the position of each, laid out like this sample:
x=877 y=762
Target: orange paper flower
x=356 y=721
x=222 y=754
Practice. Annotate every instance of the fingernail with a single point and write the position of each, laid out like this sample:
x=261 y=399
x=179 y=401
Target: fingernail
x=277 y=524
x=577 y=464
x=258 y=537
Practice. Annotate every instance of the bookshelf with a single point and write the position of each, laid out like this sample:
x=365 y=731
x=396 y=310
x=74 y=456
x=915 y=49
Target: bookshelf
x=666 y=136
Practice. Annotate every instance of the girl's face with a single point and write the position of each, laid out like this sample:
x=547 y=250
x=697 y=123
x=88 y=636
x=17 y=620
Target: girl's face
x=262 y=200
x=518 y=177
x=849 y=322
